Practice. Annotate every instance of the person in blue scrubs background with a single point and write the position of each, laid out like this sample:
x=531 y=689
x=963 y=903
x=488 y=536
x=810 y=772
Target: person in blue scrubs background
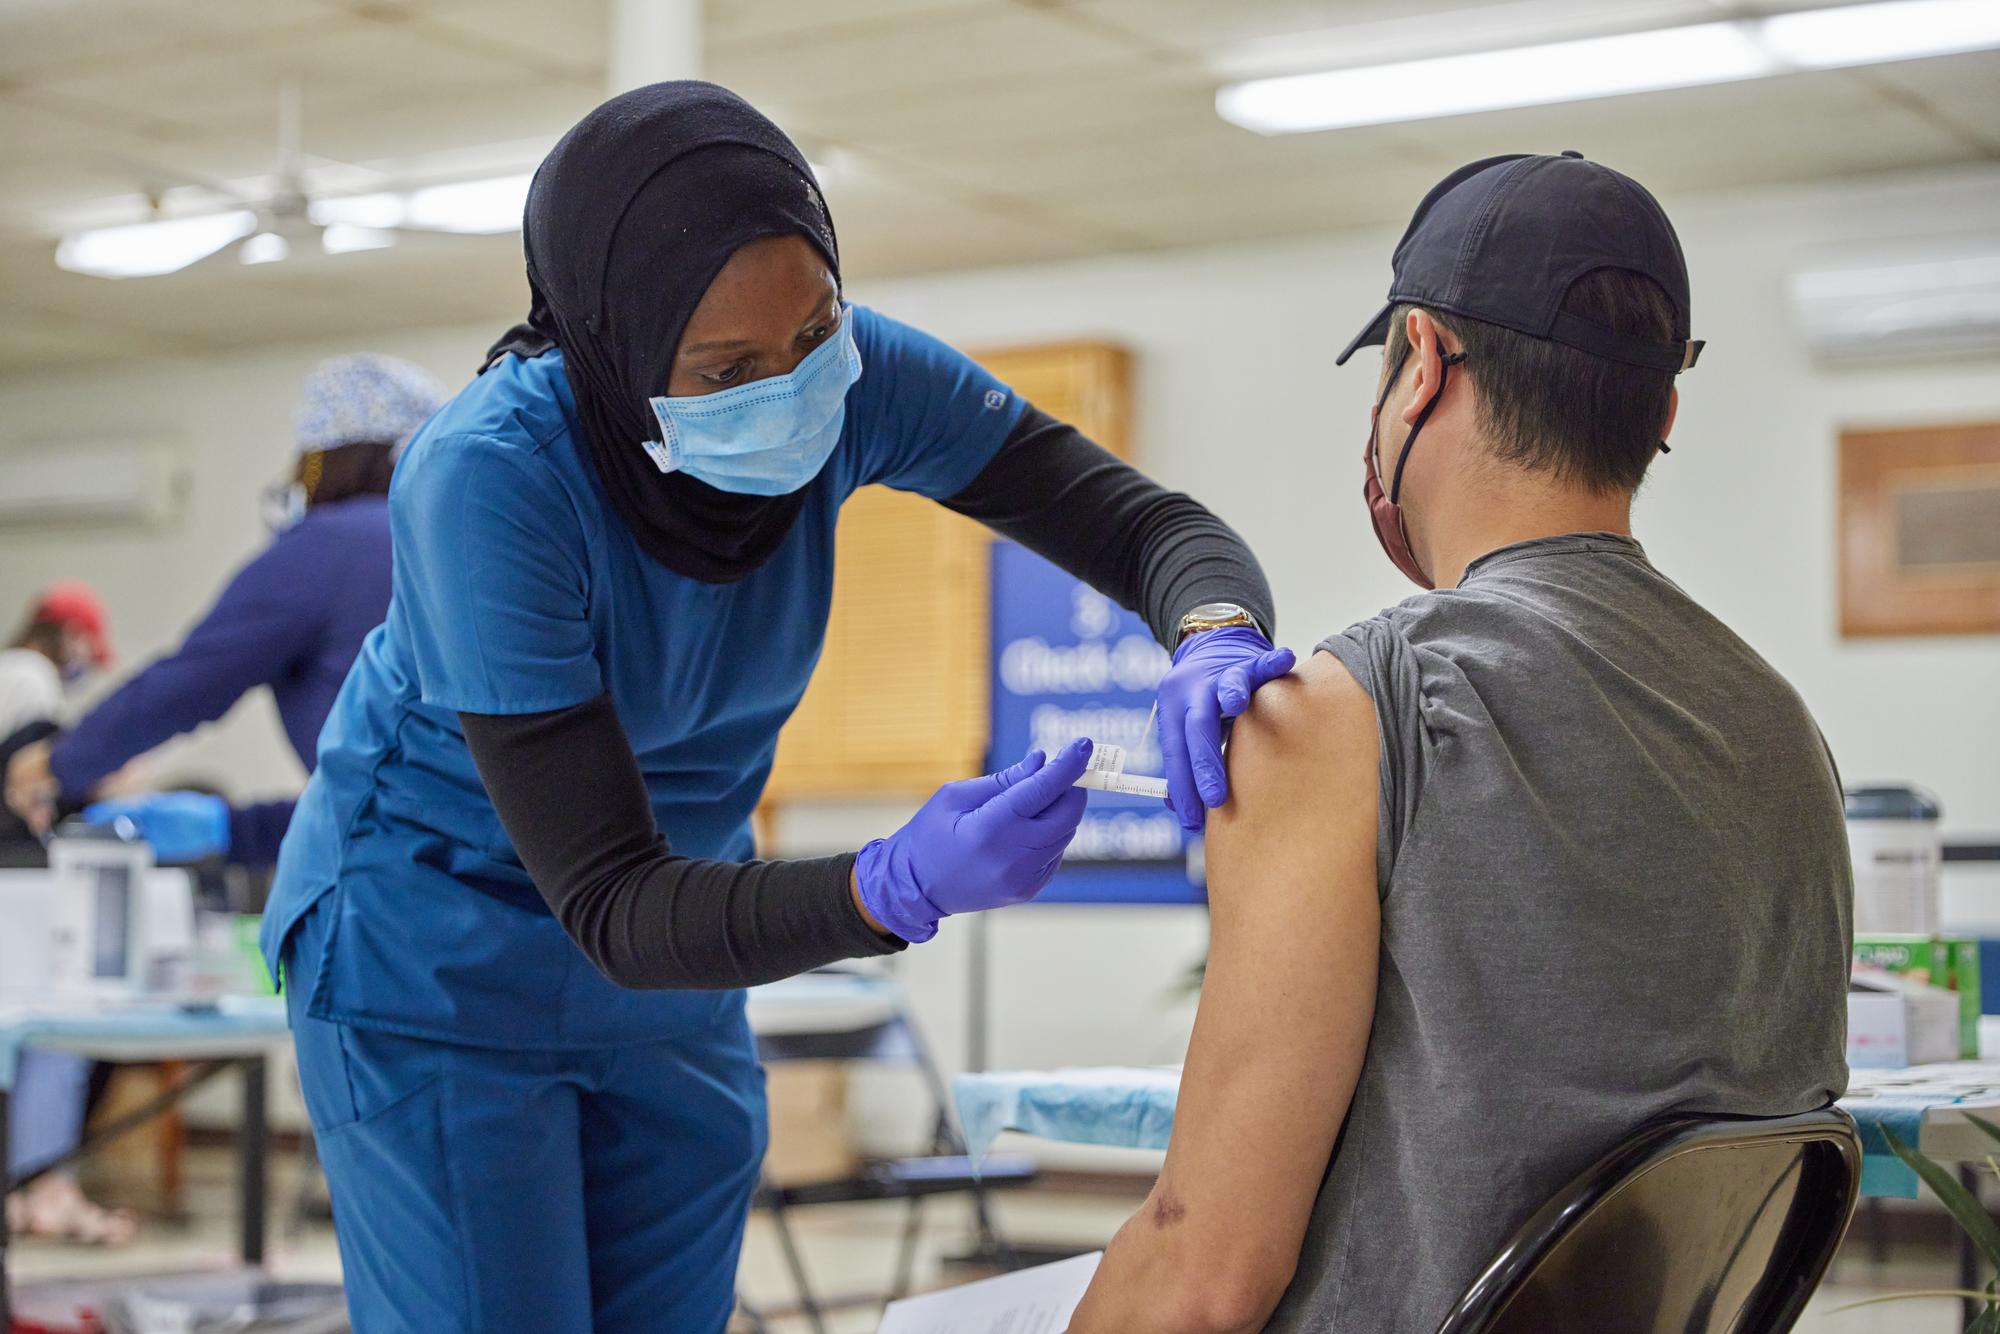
x=292 y=619
x=517 y=905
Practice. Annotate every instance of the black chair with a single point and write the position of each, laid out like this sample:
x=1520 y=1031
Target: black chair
x=942 y=1168
x=1697 y=1225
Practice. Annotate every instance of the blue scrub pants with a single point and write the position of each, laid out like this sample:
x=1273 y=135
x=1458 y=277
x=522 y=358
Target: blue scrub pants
x=478 y=1190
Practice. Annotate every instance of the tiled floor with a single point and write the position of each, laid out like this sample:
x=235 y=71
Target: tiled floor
x=852 y=1247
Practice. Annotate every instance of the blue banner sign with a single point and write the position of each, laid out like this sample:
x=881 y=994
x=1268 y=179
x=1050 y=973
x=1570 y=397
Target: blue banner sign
x=1069 y=662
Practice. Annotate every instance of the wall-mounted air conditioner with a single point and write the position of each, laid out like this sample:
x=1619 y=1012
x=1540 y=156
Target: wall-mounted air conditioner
x=92 y=483
x=1939 y=296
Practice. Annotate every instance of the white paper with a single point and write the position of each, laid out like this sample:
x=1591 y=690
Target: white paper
x=1031 y=1301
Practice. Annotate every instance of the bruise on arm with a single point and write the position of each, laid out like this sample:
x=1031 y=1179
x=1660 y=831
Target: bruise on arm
x=1279 y=1037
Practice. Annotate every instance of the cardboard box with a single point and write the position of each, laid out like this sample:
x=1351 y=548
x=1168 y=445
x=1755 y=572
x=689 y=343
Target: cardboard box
x=1893 y=1022
x=811 y=1137
x=1949 y=964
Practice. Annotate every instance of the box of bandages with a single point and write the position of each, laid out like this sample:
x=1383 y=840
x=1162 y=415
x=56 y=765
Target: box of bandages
x=1947 y=964
x=1893 y=1022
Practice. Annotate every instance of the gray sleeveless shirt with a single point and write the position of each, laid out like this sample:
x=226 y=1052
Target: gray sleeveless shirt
x=1615 y=884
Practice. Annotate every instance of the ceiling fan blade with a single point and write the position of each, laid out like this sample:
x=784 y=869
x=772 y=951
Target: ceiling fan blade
x=155 y=178
x=223 y=256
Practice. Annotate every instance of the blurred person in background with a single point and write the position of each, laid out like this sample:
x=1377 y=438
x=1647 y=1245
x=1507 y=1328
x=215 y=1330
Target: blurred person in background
x=63 y=640
x=517 y=907
x=292 y=619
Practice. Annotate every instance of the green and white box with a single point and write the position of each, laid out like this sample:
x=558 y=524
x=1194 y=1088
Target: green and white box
x=1946 y=963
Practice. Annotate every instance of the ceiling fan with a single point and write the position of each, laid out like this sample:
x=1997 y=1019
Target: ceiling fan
x=268 y=229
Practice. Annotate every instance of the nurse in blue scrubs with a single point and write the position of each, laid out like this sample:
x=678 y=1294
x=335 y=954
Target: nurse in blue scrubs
x=517 y=905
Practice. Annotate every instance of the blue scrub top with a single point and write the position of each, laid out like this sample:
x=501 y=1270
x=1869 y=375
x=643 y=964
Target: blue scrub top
x=519 y=590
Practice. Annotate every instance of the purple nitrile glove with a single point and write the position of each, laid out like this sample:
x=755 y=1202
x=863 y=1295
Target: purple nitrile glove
x=1213 y=677
x=976 y=844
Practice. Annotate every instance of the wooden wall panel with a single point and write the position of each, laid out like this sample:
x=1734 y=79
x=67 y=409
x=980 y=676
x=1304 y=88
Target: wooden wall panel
x=1920 y=531
x=899 y=702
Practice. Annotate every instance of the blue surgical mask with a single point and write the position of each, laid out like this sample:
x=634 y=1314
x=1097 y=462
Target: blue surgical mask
x=766 y=438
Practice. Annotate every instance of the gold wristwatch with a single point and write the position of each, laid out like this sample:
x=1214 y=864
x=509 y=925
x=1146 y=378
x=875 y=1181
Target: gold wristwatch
x=1215 y=615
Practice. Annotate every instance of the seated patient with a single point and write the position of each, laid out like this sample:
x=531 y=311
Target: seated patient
x=1511 y=867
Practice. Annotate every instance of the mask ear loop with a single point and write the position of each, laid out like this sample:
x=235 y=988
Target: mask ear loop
x=1444 y=375
x=1375 y=417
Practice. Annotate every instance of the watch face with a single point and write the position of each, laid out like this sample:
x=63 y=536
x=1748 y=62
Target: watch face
x=1215 y=611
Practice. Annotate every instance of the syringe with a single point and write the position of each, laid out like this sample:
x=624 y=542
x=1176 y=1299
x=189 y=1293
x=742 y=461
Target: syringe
x=1106 y=773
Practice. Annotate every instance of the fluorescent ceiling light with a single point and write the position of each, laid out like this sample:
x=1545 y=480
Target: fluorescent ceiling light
x=377 y=211
x=341 y=238
x=264 y=248
x=1684 y=57
x=1873 y=34
x=481 y=207
x=145 y=248
x=472 y=207
x=352 y=222
x=1491 y=80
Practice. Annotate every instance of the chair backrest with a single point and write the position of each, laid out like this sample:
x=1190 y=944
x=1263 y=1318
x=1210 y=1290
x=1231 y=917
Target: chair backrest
x=1696 y=1225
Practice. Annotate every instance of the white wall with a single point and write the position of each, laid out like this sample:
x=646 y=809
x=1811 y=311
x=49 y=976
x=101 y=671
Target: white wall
x=1240 y=405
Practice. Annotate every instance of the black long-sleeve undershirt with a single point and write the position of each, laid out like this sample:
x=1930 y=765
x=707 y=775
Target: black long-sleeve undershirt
x=1157 y=552
x=569 y=791
x=570 y=794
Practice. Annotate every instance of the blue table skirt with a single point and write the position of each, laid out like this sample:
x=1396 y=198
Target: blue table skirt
x=1133 y=1108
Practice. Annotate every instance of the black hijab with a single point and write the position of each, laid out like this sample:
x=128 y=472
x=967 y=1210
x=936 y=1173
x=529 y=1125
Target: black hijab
x=629 y=219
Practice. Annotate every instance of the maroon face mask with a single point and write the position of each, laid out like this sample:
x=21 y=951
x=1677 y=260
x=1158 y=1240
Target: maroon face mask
x=1383 y=511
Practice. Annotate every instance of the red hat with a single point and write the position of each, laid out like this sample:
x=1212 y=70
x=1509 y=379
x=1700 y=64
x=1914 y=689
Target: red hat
x=71 y=602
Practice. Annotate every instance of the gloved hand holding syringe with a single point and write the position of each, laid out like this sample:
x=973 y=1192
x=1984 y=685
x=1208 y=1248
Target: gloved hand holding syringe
x=1106 y=772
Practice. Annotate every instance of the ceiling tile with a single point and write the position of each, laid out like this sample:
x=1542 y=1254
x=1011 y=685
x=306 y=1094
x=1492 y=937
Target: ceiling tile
x=1227 y=209
x=1193 y=150
x=958 y=133
x=1694 y=138
x=342 y=64
x=892 y=227
x=1123 y=92
x=736 y=25
x=982 y=46
x=1960 y=90
x=47 y=37
x=566 y=39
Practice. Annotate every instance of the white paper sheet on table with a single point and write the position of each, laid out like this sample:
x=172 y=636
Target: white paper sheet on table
x=1030 y=1301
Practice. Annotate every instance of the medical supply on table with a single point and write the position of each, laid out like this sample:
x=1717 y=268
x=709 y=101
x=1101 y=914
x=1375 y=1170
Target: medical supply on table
x=1130 y=1107
x=1892 y=834
x=118 y=925
x=27 y=902
x=1107 y=774
x=1893 y=1022
x=1948 y=965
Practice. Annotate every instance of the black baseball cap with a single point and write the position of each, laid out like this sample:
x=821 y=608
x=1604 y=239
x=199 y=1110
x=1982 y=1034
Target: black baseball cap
x=1500 y=240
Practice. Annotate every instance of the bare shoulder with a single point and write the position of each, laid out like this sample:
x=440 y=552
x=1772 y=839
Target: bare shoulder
x=1311 y=729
